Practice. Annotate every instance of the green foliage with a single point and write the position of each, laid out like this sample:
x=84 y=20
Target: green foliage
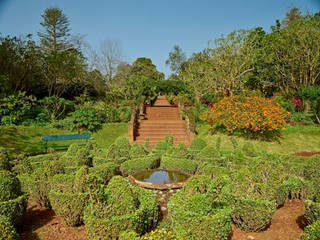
x=196 y=214
x=119 y=151
x=208 y=154
x=184 y=165
x=70 y=206
x=312 y=232
x=62 y=182
x=128 y=235
x=312 y=213
x=14 y=209
x=85 y=119
x=162 y=146
x=5 y=163
x=178 y=151
x=252 y=215
x=10 y=187
x=293 y=188
x=7 y=230
x=123 y=208
x=14 y=108
x=137 y=151
x=249 y=150
x=198 y=144
x=159 y=234
x=83 y=157
x=105 y=170
x=311 y=93
x=132 y=166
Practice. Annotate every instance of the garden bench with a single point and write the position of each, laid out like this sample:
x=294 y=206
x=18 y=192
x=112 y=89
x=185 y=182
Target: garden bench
x=63 y=137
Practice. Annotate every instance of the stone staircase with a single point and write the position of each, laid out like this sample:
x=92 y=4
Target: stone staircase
x=162 y=120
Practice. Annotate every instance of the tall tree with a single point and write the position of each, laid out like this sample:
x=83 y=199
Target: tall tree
x=108 y=57
x=233 y=58
x=54 y=37
x=293 y=55
x=176 y=58
x=143 y=68
x=63 y=64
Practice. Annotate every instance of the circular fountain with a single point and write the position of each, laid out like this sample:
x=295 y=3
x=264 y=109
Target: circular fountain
x=159 y=179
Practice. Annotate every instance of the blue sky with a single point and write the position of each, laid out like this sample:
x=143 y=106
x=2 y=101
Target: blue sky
x=150 y=28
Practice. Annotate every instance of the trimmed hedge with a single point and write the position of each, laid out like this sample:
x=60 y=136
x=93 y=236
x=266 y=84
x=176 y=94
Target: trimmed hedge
x=10 y=187
x=106 y=171
x=184 y=165
x=7 y=230
x=132 y=166
x=208 y=154
x=159 y=234
x=312 y=232
x=252 y=215
x=5 y=163
x=70 y=206
x=124 y=208
x=138 y=151
x=14 y=209
x=119 y=151
x=312 y=212
x=178 y=151
x=197 y=214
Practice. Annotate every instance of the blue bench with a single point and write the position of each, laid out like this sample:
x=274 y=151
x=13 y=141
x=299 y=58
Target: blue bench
x=63 y=137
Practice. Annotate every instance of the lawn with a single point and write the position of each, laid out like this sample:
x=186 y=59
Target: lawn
x=294 y=139
x=23 y=139
x=27 y=140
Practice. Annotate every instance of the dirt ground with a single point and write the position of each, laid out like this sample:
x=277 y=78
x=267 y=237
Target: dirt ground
x=42 y=224
x=287 y=223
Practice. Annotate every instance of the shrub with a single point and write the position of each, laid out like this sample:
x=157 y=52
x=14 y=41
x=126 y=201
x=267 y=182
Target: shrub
x=10 y=187
x=312 y=212
x=39 y=187
x=208 y=154
x=129 y=235
x=178 y=151
x=196 y=214
x=119 y=151
x=106 y=171
x=138 y=151
x=162 y=146
x=293 y=188
x=159 y=234
x=253 y=116
x=14 y=209
x=7 y=230
x=85 y=119
x=249 y=150
x=62 y=182
x=211 y=170
x=70 y=206
x=197 y=144
x=83 y=157
x=252 y=215
x=184 y=165
x=5 y=163
x=123 y=208
x=312 y=232
x=132 y=166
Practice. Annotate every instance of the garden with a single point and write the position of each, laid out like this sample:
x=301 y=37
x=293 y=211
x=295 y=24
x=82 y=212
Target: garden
x=252 y=102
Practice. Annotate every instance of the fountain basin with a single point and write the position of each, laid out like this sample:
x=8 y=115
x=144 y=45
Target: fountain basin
x=159 y=179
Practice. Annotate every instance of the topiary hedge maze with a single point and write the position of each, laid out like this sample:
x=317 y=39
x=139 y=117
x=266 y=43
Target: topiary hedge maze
x=87 y=185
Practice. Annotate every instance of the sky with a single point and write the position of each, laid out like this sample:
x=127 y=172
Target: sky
x=150 y=28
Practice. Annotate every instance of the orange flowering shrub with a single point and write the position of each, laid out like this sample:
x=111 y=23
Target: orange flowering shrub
x=250 y=115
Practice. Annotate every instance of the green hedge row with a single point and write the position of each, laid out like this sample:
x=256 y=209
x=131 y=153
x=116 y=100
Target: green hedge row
x=184 y=165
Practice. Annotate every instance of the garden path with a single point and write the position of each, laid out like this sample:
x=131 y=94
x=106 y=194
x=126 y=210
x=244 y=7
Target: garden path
x=162 y=120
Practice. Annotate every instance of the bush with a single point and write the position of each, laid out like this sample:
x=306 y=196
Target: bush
x=178 y=151
x=62 y=182
x=5 y=163
x=129 y=235
x=70 y=206
x=184 y=165
x=119 y=151
x=312 y=212
x=85 y=119
x=106 y=171
x=249 y=150
x=208 y=154
x=123 y=208
x=14 y=209
x=196 y=214
x=197 y=144
x=256 y=117
x=252 y=215
x=138 y=151
x=10 y=187
x=293 y=188
x=312 y=232
x=7 y=230
x=162 y=146
x=132 y=166
x=159 y=234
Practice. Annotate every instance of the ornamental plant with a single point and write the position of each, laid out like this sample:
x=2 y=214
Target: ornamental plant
x=253 y=116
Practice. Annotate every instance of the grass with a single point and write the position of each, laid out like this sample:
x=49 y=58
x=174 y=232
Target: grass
x=27 y=140
x=294 y=139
